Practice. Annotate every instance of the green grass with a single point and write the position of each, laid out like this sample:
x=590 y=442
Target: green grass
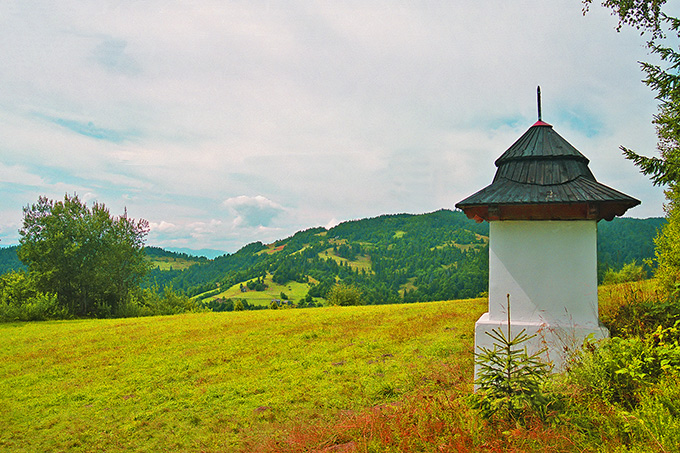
x=217 y=381
x=361 y=261
x=393 y=378
x=294 y=290
x=165 y=263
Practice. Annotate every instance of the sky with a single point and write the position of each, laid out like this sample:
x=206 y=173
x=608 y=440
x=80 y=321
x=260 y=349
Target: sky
x=228 y=122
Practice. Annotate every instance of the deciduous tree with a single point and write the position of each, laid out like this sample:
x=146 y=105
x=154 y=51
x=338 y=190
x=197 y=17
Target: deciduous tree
x=88 y=258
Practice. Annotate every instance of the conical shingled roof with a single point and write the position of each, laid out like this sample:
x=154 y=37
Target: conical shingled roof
x=543 y=177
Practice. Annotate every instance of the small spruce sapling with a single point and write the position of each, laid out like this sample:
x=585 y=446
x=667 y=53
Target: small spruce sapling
x=510 y=383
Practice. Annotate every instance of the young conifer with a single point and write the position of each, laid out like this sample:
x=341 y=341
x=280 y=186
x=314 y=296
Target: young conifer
x=510 y=382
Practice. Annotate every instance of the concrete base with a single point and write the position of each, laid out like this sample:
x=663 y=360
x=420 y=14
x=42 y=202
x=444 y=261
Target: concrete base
x=560 y=340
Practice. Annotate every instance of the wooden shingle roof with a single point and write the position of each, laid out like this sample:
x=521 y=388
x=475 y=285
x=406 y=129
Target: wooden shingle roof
x=542 y=176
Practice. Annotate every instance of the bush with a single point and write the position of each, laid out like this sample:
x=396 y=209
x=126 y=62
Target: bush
x=631 y=272
x=619 y=370
x=20 y=301
x=148 y=302
x=344 y=295
x=638 y=309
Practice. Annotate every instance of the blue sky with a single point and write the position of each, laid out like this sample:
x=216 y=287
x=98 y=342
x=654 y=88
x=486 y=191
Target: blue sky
x=223 y=123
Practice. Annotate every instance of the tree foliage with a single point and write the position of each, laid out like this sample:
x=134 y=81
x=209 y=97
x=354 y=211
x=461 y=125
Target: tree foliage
x=668 y=246
x=9 y=260
x=626 y=240
x=20 y=301
x=89 y=259
x=663 y=34
x=397 y=258
x=630 y=272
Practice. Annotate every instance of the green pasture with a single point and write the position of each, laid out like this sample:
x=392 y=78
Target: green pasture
x=165 y=263
x=362 y=262
x=207 y=381
x=294 y=290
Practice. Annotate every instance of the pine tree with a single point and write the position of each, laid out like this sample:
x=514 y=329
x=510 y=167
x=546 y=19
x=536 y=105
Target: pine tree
x=663 y=32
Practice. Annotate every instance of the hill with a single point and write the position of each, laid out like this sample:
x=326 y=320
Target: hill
x=166 y=260
x=624 y=240
x=391 y=258
x=9 y=260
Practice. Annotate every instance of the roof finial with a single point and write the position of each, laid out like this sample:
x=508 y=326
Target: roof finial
x=538 y=95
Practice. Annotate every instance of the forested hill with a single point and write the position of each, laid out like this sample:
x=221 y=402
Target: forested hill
x=624 y=240
x=391 y=258
x=9 y=260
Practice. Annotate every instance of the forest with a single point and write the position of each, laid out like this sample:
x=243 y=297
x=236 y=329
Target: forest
x=391 y=258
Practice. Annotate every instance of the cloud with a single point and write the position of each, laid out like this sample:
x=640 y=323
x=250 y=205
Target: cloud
x=18 y=174
x=199 y=229
x=162 y=227
x=257 y=211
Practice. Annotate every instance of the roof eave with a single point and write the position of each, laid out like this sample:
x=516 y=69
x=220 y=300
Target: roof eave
x=594 y=210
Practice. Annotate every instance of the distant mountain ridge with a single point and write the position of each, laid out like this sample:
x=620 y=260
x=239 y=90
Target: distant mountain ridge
x=207 y=253
x=391 y=258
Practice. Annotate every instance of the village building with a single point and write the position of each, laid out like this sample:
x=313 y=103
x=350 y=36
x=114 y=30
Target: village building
x=543 y=207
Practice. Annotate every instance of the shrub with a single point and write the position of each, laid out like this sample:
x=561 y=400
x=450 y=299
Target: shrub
x=658 y=415
x=20 y=301
x=631 y=272
x=620 y=369
x=344 y=295
x=148 y=302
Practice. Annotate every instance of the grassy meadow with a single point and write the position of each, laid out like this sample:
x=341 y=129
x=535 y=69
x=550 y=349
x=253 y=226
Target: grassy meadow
x=294 y=290
x=241 y=381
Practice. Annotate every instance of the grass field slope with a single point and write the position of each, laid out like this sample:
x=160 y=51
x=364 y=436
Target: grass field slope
x=219 y=381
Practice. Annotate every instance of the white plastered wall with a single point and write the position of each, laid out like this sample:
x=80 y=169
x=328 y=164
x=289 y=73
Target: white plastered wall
x=549 y=269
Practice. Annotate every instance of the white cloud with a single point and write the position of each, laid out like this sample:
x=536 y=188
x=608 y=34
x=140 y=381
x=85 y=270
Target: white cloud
x=18 y=174
x=257 y=211
x=162 y=226
x=199 y=229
